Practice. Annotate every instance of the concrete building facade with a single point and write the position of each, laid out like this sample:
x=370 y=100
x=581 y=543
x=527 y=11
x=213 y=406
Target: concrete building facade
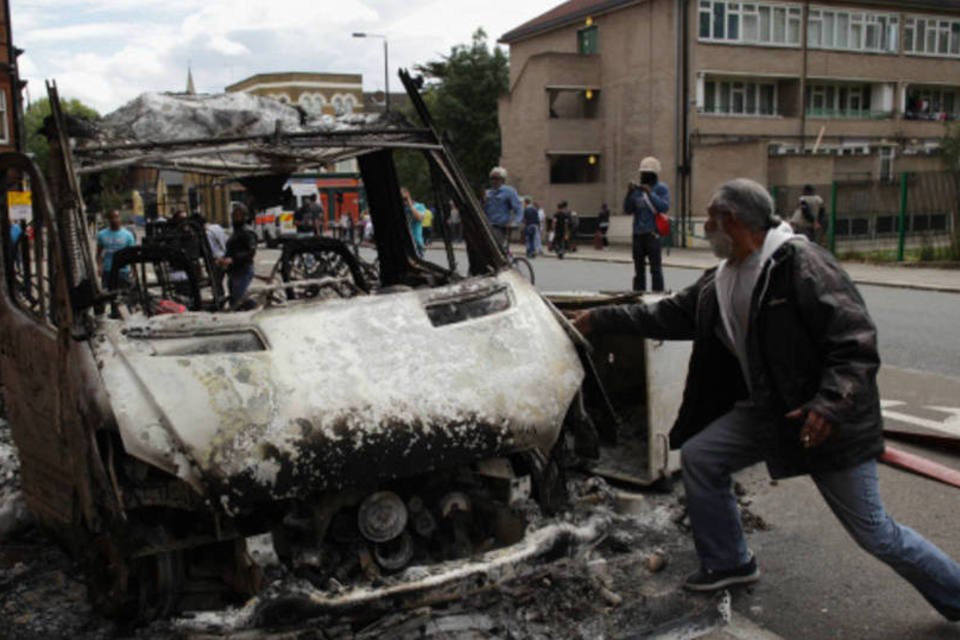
x=782 y=92
x=316 y=93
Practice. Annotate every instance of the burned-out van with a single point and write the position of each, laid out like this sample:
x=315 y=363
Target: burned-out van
x=363 y=413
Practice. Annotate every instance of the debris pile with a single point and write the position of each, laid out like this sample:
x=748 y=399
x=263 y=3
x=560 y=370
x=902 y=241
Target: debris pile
x=13 y=508
x=177 y=116
x=610 y=564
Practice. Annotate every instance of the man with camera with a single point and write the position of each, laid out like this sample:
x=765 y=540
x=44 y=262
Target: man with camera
x=643 y=201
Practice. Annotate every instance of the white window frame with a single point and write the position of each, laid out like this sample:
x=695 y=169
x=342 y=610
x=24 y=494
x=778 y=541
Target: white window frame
x=858 y=25
x=4 y=124
x=941 y=36
x=743 y=89
x=887 y=155
x=838 y=97
x=770 y=18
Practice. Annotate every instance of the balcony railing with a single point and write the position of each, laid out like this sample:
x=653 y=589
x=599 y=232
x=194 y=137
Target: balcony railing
x=849 y=114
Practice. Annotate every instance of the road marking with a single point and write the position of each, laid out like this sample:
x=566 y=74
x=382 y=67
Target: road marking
x=949 y=426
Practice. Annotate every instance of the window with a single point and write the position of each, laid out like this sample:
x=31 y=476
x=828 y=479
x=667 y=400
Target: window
x=886 y=163
x=750 y=22
x=574 y=168
x=573 y=102
x=932 y=103
x=587 y=40
x=926 y=35
x=739 y=97
x=4 y=130
x=832 y=100
x=855 y=31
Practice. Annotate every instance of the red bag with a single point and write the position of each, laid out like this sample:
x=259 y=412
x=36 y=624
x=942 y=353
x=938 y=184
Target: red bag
x=663 y=223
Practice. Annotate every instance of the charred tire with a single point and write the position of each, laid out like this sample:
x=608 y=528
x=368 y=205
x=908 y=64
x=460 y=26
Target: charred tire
x=548 y=477
x=133 y=589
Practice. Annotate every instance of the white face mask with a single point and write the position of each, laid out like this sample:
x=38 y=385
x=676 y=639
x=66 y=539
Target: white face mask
x=720 y=241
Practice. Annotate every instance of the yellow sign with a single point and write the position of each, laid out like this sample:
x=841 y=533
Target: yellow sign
x=15 y=198
x=20 y=205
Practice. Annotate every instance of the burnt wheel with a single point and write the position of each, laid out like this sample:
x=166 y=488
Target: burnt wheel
x=133 y=589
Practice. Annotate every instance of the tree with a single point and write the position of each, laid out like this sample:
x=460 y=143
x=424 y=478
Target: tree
x=33 y=119
x=462 y=90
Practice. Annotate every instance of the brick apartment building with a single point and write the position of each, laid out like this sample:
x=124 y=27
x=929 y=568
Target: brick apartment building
x=782 y=92
x=10 y=85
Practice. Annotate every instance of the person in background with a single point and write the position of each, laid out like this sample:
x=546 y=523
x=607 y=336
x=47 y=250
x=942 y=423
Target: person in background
x=501 y=204
x=366 y=224
x=109 y=241
x=542 y=230
x=561 y=229
x=346 y=227
x=427 y=225
x=309 y=217
x=16 y=231
x=784 y=371
x=603 y=225
x=574 y=230
x=643 y=201
x=238 y=261
x=531 y=227
x=415 y=212
x=809 y=218
x=456 y=225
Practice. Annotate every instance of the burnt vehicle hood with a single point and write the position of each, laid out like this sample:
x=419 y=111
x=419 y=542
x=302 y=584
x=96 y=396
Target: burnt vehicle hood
x=287 y=401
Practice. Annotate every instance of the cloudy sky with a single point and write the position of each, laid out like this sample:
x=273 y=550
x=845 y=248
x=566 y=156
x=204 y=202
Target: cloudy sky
x=106 y=52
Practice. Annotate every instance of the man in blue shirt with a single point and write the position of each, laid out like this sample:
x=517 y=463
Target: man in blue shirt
x=644 y=201
x=531 y=227
x=501 y=204
x=109 y=241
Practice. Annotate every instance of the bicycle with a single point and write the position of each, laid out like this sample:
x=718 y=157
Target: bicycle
x=518 y=263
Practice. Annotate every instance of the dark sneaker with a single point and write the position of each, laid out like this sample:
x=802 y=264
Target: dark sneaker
x=706 y=580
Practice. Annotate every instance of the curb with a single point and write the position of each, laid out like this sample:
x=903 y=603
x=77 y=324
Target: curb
x=873 y=282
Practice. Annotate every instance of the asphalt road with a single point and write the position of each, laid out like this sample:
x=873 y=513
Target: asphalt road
x=916 y=329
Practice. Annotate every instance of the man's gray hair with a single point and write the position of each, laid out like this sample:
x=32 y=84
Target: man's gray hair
x=748 y=200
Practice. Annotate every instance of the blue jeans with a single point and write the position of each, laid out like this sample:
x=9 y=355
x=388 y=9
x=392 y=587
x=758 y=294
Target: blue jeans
x=531 y=234
x=728 y=445
x=239 y=281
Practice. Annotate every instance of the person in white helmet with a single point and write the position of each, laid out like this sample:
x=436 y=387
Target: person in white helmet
x=501 y=204
x=644 y=200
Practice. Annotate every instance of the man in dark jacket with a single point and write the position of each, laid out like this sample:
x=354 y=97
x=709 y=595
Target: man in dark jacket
x=238 y=261
x=783 y=370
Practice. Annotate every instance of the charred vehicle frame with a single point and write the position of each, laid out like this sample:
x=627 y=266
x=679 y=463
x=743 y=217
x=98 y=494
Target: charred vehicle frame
x=325 y=425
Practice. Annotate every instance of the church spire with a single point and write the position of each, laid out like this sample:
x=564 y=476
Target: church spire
x=191 y=90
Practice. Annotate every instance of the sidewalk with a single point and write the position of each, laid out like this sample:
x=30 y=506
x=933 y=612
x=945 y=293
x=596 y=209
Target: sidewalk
x=925 y=278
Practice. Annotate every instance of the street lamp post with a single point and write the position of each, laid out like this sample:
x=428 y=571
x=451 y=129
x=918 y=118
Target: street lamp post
x=386 y=65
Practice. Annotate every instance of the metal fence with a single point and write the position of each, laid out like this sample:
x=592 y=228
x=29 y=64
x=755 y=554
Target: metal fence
x=911 y=211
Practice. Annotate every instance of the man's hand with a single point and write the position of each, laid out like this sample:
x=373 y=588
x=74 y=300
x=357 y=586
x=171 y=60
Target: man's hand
x=815 y=428
x=580 y=321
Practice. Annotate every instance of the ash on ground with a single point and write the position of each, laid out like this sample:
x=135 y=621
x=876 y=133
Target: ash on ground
x=622 y=582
